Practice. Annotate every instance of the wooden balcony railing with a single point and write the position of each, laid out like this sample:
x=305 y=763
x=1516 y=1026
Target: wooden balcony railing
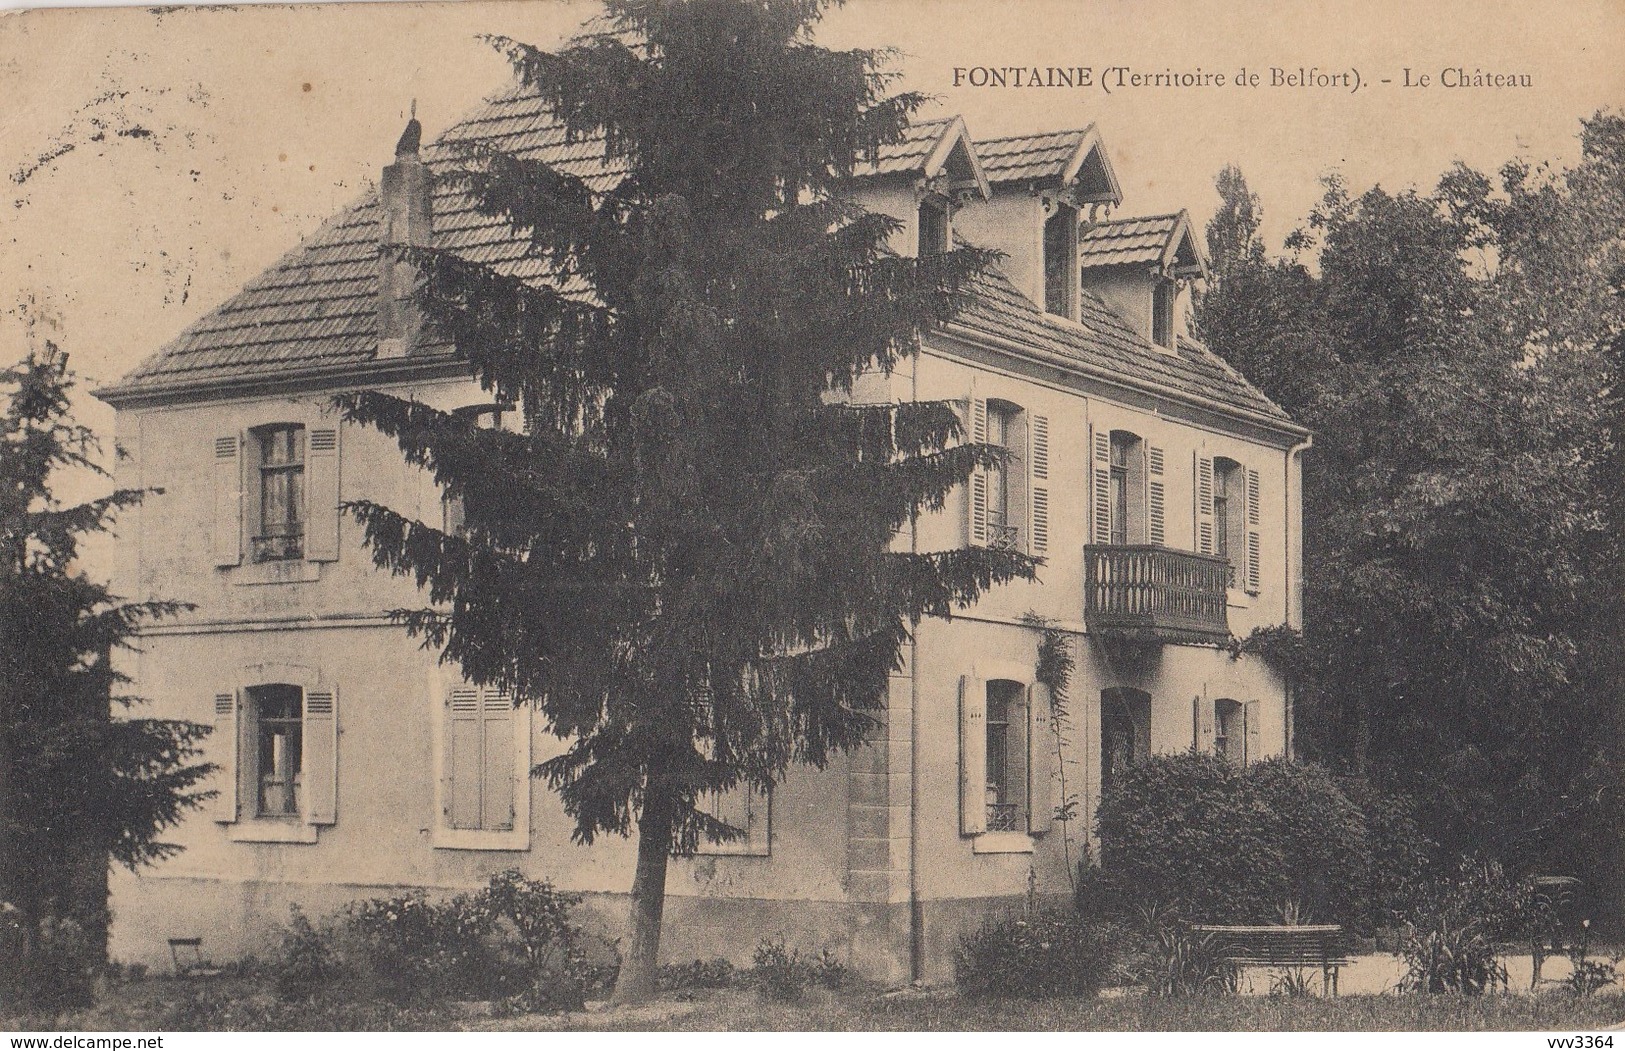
x=1152 y=592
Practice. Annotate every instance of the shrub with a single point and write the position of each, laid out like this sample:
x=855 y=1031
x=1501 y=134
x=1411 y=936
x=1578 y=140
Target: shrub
x=1036 y=954
x=1170 y=960
x=715 y=973
x=1453 y=935
x=1243 y=845
x=411 y=948
x=779 y=973
x=304 y=965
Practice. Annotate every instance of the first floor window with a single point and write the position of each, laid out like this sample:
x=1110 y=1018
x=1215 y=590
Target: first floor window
x=1006 y=756
x=281 y=530
x=277 y=714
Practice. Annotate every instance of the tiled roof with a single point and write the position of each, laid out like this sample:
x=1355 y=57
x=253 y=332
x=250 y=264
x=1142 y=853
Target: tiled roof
x=1104 y=344
x=909 y=155
x=315 y=309
x=1029 y=156
x=1127 y=241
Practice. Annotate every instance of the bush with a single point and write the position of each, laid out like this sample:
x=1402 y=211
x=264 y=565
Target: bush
x=715 y=973
x=779 y=973
x=1228 y=844
x=1170 y=960
x=1037 y=954
x=304 y=965
x=1454 y=934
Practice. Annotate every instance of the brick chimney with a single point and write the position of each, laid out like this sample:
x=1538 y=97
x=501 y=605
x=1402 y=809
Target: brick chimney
x=406 y=198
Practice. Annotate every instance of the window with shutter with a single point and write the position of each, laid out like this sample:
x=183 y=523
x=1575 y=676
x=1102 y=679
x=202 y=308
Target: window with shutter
x=1253 y=728
x=746 y=808
x=972 y=756
x=1204 y=504
x=322 y=516
x=1254 y=540
x=1041 y=759
x=1202 y=729
x=1125 y=732
x=1101 y=468
x=223 y=748
x=978 y=509
x=484 y=760
x=321 y=755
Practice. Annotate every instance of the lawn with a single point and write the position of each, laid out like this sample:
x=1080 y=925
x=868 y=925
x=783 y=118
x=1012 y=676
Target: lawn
x=158 y=1005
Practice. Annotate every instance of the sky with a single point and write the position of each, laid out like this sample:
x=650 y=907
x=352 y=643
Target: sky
x=154 y=160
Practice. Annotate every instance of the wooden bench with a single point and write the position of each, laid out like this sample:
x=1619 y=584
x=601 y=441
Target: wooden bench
x=1271 y=945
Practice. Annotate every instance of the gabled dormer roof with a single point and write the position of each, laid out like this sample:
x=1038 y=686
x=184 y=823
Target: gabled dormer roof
x=930 y=150
x=1075 y=159
x=1161 y=242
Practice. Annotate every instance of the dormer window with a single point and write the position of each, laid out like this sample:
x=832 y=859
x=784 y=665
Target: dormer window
x=933 y=226
x=1163 y=297
x=1061 y=278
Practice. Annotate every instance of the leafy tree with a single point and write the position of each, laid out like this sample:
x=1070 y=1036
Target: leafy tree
x=689 y=561
x=1462 y=600
x=77 y=786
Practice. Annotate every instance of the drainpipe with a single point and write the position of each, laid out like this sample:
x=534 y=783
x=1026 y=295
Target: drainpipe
x=916 y=916
x=1294 y=560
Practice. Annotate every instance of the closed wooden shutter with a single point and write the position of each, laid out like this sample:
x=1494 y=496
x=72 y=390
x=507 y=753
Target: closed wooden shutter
x=746 y=808
x=463 y=773
x=497 y=766
x=1254 y=544
x=1202 y=724
x=1101 y=487
x=228 y=501
x=1156 y=496
x=1040 y=760
x=321 y=755
x=223 y=747
x=1038 y=488
x=972 y=756
x=977 y=526
x=322 y=495
x=1253 y=752
x=1204 y=504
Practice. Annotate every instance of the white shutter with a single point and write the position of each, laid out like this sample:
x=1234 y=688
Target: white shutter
x=497 y=765
x=1254 y=544
x=228 y=501
x=972 y=756
x=1040 y=760
x=977 y=525
x=1101 y=469
x=321 y=755
x=223 y=751
x=322 y=495
x=462 y=774
x=1156 y=496
x=1038 y=486
x=1204 y=504
x=1202 y=725
x=1252 y=752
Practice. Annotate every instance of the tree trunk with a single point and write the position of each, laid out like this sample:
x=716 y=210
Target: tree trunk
x=636 y=981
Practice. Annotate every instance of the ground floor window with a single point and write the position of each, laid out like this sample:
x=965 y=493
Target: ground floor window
x=277 y=757
x=1125 y=732
x=1006 y=756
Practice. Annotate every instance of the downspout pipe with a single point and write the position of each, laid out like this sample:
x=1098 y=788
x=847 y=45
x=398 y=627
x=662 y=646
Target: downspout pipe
x=1294 y=560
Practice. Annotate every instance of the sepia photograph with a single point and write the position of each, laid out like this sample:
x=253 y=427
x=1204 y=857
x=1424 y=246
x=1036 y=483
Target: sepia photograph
x=791 y=515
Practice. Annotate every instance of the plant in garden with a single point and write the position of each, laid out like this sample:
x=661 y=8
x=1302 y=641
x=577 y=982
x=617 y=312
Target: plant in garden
x=1035 y=954
x=1453 y=938
x=79 y=786
x=1173 y=960
x=686 y=562
x=305 y=964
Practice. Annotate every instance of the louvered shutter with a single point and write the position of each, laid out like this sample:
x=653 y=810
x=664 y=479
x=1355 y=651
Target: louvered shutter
x=1202 y=725
x=1101 y=469
x=228 y=501
x=463 y=766
x=972 y=756
x=497 y=767
x=1254 y=545
x=1249 y=718
x=1156 y=496
x=1038 y=487
x=223 y=752
x=1040 y=760
x=321 y=755
x=1204 y=504
x=322 y=495
x=758 y=821
x=977 y=525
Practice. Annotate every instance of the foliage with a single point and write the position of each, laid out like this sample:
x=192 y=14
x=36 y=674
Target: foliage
x=1587 y=977
x=1456 y=354
x=1171 y=960
x=1233 y=845
x=1035 y=954
x=77 y=785
x=715 y=973
x=1454 y=935
x=686 y=561
x=512 y=941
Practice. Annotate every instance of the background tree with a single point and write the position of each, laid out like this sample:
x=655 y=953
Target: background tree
x=1448 y=350
x=77 y=786
x=689 y=562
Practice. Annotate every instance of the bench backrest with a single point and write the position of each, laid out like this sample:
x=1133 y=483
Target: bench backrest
x=1276 y=944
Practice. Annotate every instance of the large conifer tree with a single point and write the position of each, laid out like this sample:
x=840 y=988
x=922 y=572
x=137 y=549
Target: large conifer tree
x=689 y=562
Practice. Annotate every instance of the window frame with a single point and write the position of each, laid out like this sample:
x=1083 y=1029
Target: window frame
x=939 y=225
x=288 y=544
x=235 y=744
x=1164 y=300
x=260 y=732
x=1063 y=277
x=523 y=753
x=1133 y=707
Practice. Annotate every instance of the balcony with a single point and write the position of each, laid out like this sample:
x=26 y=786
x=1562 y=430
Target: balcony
x=1140 y=591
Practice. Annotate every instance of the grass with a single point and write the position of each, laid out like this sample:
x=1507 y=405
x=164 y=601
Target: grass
x=165 y=1005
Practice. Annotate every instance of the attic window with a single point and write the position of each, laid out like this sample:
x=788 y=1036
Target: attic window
x=1061 y=278
x=1163 y=296
x=933 y=226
